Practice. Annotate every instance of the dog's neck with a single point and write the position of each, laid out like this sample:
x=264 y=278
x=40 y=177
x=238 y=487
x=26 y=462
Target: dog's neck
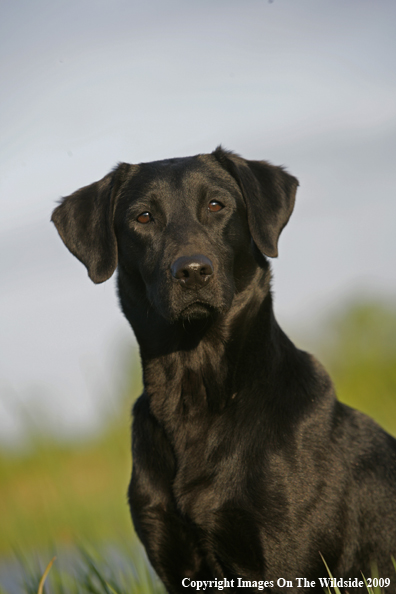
x=192 y=365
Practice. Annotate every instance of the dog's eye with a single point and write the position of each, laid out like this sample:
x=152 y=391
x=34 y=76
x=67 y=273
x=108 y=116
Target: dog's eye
x=144 y=218
x=215 y=206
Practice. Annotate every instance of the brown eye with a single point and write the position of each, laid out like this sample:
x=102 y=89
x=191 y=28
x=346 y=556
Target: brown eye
x=144 y=218
x=215 y=206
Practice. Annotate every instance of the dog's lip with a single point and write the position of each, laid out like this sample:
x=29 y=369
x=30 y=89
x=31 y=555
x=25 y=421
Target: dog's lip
x=197 y=302
x=199 y=306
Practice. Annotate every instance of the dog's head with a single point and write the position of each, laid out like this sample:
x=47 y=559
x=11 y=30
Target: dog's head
x=181 y=230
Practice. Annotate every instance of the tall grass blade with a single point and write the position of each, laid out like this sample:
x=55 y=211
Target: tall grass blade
x=369 y=590
x=108 y=589
x=336 y=589
x=44 y=576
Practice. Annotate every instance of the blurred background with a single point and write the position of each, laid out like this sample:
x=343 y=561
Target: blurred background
x=309 y=85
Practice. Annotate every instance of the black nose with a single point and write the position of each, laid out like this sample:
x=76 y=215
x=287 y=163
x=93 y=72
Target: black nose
x=192 y=272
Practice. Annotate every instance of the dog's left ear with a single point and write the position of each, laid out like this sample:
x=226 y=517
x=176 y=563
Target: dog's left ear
x=269 y=193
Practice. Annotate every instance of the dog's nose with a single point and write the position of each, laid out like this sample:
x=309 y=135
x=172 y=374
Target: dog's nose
x=192 y=272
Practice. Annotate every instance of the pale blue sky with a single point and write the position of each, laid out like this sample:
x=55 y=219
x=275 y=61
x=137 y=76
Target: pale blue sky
x=310 y=84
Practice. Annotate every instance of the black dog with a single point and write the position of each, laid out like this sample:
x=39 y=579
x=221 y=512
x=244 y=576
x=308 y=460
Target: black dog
x=244 y=463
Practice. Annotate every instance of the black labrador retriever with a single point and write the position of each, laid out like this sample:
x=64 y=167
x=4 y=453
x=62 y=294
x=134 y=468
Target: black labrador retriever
x=246 y=468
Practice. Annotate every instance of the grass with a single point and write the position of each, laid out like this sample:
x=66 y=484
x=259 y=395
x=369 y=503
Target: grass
x=64 y=492
x=358 y=347
x=59 y=493
x=111 y=571
x=370 y=589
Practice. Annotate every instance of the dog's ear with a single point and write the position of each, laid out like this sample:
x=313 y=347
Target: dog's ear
x=269 y=193
x=84 y=221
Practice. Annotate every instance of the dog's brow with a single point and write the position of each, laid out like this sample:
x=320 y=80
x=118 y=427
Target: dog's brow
x=144 y=201
x=209 y=190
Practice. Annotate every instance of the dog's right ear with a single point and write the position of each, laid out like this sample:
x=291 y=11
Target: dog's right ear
x=84 y=221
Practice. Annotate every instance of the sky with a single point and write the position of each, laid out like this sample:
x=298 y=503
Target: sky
x=310 y=85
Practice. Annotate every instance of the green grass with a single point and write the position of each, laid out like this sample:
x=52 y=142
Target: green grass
x=358 y=347
x=111 y=571
x=63 y=492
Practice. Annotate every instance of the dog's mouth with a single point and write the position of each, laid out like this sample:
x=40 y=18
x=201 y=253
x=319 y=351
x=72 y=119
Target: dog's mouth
x=176 y=304
x=197 y=309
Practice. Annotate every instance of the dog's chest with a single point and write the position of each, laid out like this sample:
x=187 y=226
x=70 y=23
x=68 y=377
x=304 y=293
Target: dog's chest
x=192 y=405
x=209 y=470
x=201 y=495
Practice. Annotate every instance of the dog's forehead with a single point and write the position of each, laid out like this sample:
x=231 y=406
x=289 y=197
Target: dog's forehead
x=183 y=175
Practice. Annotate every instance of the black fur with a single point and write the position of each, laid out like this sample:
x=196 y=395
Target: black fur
x=244 y=462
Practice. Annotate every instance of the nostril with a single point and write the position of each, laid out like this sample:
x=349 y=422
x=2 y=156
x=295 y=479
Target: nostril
x=206 y=270
x=180 y=272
